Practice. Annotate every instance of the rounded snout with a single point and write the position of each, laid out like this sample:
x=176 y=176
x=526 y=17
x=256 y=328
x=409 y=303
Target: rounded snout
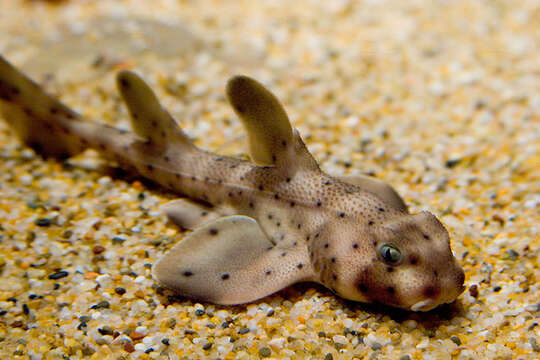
x=445 y=290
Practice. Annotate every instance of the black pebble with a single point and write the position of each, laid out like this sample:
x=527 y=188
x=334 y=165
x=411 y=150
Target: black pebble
x=58 y=275
x=43 y=222
x=120 y=290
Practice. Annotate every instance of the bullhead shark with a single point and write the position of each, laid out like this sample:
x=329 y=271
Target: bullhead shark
x=260 y=225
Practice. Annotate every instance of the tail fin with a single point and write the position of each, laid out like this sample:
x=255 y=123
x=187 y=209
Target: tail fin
x=41 y=121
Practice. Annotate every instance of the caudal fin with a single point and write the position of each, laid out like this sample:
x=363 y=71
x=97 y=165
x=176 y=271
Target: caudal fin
x=39 y=120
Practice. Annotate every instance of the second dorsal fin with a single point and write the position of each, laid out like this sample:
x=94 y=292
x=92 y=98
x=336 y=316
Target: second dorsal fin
x=148 y=118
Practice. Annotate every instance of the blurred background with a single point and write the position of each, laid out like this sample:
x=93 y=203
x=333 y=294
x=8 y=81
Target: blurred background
x=439 y=98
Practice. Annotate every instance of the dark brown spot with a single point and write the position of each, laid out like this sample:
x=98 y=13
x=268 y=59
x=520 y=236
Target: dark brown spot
x=166 y=158
x=269 y=248
x=251 y=205
x=187 y=273
x=268 y=272
x=426 y=237
x=374 y=243
x=162 y=133
x=274 y=158
x=391 y=290
x=342 y=215
x=355 y=246
x=219 y=159
x=261 y=188
x=230 y=194
x=178 y=176
x=362 y=287
x=319 y=203
x=154 y=123
x=288 y=179
x=193 y=178
x=70 y=116
x=233 y=166
x=53 y=110
x=300 y=265
x=334 y=276
x=15 y=90
x=326 y=246
x=307 y=237
x=278 y=224
x=435 y=273
x=327 y=182
x=225 y=276
x=213 y=231
x=270 y=216
x=381 y=209
x=389 y=269
x=283 y=254
x=276 y=196
x=333 y=259
x=204 y=213
x=150 y=167
x=370 y=222
x=28 y=112
x=317 y=235
x=239 y=108
x=431 y=291
x=283 y=142
x=124 y=83
x=413 y=259
x=292 y=203
x=298 y=226
x=295 y=243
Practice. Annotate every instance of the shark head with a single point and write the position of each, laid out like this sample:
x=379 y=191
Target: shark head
x=405 y=262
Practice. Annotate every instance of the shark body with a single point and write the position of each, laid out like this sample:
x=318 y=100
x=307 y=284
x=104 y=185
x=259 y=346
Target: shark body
x=260 y=225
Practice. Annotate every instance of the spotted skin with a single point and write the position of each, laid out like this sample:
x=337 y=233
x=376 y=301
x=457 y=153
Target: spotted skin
x=259 y=225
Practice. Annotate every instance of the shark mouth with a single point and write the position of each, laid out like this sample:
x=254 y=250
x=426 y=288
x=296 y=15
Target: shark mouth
x=423 y=305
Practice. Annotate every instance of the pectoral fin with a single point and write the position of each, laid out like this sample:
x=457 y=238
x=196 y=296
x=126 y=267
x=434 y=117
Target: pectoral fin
x=230 y=261
x=378 y=187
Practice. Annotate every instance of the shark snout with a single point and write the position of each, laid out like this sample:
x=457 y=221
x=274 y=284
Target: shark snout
x=444 y=291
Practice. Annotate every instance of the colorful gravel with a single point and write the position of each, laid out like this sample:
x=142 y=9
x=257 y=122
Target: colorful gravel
x=441 y=99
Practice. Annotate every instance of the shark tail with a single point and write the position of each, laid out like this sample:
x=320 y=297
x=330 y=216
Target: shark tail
x=41 y=122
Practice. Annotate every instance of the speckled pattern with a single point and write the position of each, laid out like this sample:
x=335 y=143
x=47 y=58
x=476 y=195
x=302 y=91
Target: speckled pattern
x=441 y=99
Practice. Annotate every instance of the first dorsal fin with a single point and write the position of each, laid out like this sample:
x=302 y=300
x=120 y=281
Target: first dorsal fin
x=269 y=131
x=149 y=119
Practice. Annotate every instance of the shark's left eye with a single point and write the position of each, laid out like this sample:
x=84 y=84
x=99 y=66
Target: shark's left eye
x=390 y=254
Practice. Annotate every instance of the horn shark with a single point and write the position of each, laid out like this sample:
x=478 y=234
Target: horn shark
x=260 y=225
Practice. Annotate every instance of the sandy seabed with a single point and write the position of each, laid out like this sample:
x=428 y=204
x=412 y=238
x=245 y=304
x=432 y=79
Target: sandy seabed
x=441 y=99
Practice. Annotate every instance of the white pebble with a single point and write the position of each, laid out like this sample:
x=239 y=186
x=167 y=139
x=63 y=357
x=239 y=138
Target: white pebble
x=142 y=330
x=139 y=279
x=140 y=347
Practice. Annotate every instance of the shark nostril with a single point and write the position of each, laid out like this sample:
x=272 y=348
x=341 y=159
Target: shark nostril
x=461 y=277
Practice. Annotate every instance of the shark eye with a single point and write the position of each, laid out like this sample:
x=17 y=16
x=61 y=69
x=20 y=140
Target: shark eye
x=390 y=254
